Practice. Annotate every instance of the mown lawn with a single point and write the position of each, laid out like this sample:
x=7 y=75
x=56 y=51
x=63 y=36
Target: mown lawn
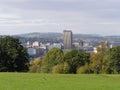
x=32 y=81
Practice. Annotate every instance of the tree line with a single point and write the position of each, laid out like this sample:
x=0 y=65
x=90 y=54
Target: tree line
x=14 y=58
x=105 y=61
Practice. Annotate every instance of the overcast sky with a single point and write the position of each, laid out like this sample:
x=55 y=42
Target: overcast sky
x=81 y=16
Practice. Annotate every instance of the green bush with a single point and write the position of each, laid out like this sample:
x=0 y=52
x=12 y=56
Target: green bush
x=61 y=68
x=33 y=69
x=66 y=68
x=35 y=65
x=57 y=69
x=45 y=69
x=84 y=70
x=52 y=58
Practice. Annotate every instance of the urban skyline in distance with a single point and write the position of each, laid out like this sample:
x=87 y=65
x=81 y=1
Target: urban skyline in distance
x=81 y=16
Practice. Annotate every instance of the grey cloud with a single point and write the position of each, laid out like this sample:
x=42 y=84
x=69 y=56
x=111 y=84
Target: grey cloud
x=84 y=16
x=100 y=8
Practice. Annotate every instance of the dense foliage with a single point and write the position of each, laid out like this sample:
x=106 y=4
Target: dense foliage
x=113 y=60
x=35 y=65
x=57 y=61
x=106 y=60
x=13 y=56
x=52 y=58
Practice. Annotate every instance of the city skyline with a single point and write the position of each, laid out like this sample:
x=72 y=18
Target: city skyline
x=81 y=16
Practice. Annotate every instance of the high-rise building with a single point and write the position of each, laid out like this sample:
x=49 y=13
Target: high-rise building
x=67 y=39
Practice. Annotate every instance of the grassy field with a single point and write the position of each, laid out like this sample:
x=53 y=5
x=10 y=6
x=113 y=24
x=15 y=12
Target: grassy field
x=28 y=81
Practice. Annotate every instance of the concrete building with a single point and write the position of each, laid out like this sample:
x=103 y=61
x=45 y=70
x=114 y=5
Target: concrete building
x=67 y=39
x=55 y=45
x=35 y=52
x=31 y=51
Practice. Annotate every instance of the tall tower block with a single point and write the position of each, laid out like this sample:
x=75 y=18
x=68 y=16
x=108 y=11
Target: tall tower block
x=67 y=39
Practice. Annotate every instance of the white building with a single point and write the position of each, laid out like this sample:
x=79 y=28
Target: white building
x=95 y=50
x=36 y=44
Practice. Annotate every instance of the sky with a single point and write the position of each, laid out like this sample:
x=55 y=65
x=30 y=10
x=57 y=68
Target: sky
x=81 y=16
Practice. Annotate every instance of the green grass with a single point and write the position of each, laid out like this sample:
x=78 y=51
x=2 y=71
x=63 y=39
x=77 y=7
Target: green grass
x=31 y=81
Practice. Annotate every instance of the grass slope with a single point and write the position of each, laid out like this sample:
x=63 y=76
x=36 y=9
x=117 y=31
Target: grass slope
x=28 y=81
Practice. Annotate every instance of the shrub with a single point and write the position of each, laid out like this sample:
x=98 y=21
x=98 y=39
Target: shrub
x=66 y=68
x=33 y=69
x=61 y=68
x=35 y=65
x=84 y=70
x=57 y=69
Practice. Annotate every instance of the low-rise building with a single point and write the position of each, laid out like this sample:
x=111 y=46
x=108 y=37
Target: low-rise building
x=55 y=45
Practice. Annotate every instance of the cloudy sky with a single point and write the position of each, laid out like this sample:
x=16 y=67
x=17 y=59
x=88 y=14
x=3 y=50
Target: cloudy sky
x=81 y=16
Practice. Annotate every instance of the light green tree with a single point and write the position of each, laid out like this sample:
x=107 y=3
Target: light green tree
x=52 y=58
x=97 y=63
x=35 y=65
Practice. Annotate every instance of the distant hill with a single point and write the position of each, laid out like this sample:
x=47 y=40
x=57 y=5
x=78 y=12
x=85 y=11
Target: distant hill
x=112 y=36
x=55 y=35
x=40 y=35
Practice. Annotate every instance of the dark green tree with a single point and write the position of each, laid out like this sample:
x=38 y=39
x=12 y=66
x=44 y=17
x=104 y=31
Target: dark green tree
x=13 y=56
x=76 y=59
x=113 y=60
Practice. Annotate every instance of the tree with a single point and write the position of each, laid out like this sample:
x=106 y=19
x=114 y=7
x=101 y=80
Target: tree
x=52 y=58
x=113 y=60
x=75 y=59
x=35 y=65
x=102 y=47
x=13 y=56
x=62 y=68
x=84 y=69
x=97 y=62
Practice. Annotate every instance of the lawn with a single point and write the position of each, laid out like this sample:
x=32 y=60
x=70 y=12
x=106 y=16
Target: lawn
x=33 y=81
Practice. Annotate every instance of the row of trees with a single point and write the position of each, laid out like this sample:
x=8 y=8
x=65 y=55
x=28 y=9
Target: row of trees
x=73 y=61
x=57 y=61
x=14 y=57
